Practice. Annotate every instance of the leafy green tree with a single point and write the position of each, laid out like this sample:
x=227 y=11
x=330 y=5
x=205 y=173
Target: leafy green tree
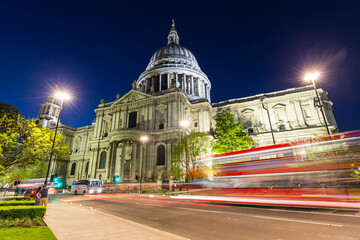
x=30 y=171
x=197 y=145
x=229 y=135
x=23 y=143
x=9 y=109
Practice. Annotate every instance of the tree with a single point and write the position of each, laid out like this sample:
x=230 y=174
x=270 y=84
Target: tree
x=9 y=109
x=197 y=145
x=229 y=135
x=30 y=171
x=23 y=143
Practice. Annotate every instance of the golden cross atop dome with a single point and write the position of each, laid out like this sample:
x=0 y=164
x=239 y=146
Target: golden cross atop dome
x=173 y=24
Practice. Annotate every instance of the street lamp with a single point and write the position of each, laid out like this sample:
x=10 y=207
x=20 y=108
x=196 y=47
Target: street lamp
x=312 y=77
x=143 y=140
x=184 y=125
x=62 y=96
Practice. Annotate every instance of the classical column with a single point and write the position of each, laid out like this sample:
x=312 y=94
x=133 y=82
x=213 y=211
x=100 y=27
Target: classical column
x=117 y=119
x=168 y=115
x=198 y=86
x=176 y=80
x=192 y=84
x=208 y=92
x=109 y=166
x=113 y=160
x=168 y=155
x=205 y=90
x=118 y=160
x=122 y=160
x=184 y=83
x=112 y=126
x=159 y=82
x=168 y=80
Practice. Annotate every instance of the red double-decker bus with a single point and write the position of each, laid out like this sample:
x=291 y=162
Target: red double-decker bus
x=322 y=168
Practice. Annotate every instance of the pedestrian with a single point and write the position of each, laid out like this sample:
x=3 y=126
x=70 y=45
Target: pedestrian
x=51 y=192
x=37 y=200
x=42 y=195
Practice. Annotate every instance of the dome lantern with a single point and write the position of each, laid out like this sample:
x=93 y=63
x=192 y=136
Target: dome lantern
x=173 y=36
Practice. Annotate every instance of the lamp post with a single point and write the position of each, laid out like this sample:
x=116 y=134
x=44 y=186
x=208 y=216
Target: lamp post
x=184 y=125
x=62 y=96
x=143 y=140
x=312 y=77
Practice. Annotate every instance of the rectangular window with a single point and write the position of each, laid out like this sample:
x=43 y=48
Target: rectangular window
x=132 y=119
x=195 y=124
x=306 y=111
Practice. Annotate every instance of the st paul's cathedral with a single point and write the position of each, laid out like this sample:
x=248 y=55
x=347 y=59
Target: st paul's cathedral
x=171 y=89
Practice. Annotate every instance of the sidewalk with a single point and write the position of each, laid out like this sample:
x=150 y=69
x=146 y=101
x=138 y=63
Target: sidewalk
x=70 y=221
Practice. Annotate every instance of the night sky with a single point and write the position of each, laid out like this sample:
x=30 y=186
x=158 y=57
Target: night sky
x=98 y=48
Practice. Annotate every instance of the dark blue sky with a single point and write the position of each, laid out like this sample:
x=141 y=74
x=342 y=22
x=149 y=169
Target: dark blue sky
x=98 y=48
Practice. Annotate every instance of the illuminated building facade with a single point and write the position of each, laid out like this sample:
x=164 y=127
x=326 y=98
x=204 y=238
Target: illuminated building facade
x=171 y=89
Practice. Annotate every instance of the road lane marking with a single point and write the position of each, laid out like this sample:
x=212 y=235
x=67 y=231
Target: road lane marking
x=318 y=213
x=300 y=221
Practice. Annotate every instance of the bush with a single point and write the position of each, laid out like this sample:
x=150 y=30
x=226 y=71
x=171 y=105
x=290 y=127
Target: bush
x=17 y=203
x=17 y=199
x=22 y=211
x=21 y=222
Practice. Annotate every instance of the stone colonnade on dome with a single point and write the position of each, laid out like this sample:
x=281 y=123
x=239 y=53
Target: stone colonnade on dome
x=190 y=83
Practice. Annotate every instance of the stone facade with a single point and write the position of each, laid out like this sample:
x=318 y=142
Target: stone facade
x=171 y=89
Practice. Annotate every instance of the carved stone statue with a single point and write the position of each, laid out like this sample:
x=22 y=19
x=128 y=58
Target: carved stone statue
x=117 y=95
x=102 y=101
x=134 y=85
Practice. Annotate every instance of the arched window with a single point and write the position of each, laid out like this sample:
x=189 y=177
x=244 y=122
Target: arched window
x=73 y=168
x=102 y=160
x=161 y=155
x=87 y=168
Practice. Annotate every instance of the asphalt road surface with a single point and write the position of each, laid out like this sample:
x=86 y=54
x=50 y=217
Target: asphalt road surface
x=203 y=220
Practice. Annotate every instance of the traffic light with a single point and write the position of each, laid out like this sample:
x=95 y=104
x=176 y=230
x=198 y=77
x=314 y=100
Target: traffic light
x=52 y=178
x=56 y=177
x=116 y=179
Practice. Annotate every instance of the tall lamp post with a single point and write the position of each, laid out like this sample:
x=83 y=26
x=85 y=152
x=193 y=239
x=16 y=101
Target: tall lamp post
x=312 y=77
x=143 y=139
x=62 y=96
x=184 y=125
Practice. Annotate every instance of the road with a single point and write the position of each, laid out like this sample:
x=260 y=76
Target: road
x=203 y=220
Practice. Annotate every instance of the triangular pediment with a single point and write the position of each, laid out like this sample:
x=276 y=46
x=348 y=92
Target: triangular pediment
x=161 y=107
x=247 y=111
x=279 y=106
x=132 y=96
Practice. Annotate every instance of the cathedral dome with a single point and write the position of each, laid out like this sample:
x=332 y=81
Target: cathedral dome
x=173 y=54
x=174 y=67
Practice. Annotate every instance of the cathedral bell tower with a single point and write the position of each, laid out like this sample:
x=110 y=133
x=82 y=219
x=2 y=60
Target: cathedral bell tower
x=49 y=111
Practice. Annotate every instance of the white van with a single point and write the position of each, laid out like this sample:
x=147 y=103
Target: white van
x=86 y=186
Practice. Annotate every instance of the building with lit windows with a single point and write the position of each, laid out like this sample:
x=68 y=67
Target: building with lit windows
x=173 y=88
